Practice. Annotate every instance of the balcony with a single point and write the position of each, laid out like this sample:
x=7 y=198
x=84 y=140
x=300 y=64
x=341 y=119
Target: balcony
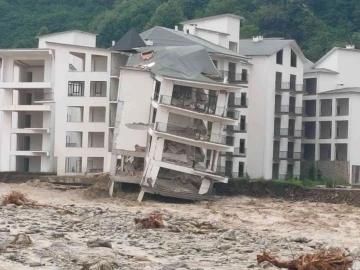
x=26 y=108
x=25 y=85
x=287 y=155
x=219 y=170
x=238 y=152
x=241 y=128
x=300 y=111
x=285 y=109
x=199 y=107
x=285 y=132
x=191 y=133
x=289 y=87
x=238 y=102
x=233 y=77
x=46 y=96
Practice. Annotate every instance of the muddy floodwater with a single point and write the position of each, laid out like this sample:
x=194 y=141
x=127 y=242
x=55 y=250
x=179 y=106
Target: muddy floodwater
x=241 y=228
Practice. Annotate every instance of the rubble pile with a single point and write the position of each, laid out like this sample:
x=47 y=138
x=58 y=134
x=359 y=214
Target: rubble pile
x=331 y=259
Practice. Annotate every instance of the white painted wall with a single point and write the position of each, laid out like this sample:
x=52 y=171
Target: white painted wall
x=135 y=93
x=69 y=37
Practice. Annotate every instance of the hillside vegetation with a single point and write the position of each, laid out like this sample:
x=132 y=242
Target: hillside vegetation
x=317 y=25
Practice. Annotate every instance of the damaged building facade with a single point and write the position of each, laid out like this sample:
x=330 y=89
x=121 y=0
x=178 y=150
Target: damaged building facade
x=176 y=139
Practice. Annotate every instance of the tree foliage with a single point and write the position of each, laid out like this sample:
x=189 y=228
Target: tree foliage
x=317 y=25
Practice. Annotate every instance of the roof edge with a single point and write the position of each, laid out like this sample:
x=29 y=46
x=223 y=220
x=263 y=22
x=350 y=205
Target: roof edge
x=213 y=17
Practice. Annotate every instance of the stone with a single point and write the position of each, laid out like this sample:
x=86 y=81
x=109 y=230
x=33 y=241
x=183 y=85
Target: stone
x=224 y=247
x=229 y=235
x=99 y=243
x=301 y=240
x=354 y=252
x=175 y=266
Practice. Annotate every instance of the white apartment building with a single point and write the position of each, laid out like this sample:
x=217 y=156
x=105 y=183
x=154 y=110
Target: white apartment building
x=219 y=35
x=172 y=114
x=276 y=107
x=57 y=105
x=332 y=133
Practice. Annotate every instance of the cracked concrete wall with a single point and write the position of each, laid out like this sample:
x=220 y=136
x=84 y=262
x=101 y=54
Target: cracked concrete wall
x=135 y=92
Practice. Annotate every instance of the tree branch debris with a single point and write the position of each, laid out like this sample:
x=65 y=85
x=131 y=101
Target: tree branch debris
x=332 y=259
x=19 y=199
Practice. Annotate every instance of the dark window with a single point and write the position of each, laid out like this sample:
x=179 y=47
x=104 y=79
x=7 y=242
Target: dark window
x=279 y=57
x=244 y=75
x=26 y=143
x=28 y=98
x=310 y=86
x=292 y=82
x=27 y=121
x=293 y=59
x=241 y=169
x=26 y=165
x=154 y=116
x=232 y=72
x=215 y=63
x=157 y=90
x=242 y=146
x=76 y=89
x=98 y=89
x=243 y=123
x=229 y=140
x=29 y=76
x=228 y=168
x=243 y=99
x=278 y=80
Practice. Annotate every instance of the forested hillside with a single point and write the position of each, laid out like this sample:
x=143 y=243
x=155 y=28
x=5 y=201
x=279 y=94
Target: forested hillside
x=317 y=25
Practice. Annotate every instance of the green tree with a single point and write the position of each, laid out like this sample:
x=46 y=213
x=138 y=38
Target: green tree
x=168 y=15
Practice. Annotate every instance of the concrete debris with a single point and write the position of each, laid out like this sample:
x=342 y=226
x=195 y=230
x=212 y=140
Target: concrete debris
x=20 y=240
x=99 y=243
x=101 y=265
x=139 y=148
x=229 y=235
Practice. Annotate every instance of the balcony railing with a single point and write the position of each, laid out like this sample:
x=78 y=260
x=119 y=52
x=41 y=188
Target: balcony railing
x=286 y=132
x=288 y=86
x=200 y=107
x=44 y=96
x=234 y=77
x=300 y=111
x=241 y=128
x=191 y=133
x=219 y=170
x=287 y=155
x=286 y=109
x=238 y=151
x=238 y=102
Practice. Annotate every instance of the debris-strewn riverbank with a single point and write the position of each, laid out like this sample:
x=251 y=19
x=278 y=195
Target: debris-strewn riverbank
x=234 y=231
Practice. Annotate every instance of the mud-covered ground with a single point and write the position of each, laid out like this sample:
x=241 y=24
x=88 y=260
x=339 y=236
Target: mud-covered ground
x=243 y=228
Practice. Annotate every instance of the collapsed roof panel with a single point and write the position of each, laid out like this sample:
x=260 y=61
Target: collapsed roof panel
x=184 y=62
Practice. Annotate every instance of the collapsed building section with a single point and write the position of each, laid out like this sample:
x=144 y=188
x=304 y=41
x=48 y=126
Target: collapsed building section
x=170 y=122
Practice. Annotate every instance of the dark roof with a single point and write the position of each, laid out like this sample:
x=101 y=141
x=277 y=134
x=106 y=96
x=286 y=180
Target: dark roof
x=183 y=62
x=129 y=41
x=162 y=36
x=267 y=47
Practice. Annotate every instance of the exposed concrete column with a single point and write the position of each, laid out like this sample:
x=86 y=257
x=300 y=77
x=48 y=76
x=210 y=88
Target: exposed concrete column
x=216 y=157
x=113 y=162
x=211 y=160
